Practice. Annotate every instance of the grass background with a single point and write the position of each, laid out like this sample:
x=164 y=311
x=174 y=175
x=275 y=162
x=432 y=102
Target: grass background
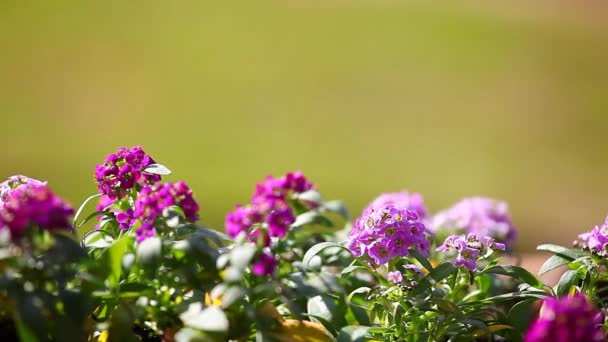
x=508 y=101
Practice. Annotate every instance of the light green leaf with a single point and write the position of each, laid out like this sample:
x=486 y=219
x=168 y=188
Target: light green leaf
x=210 y=318
x=157 y=169
x=316 y=249
x=81 y=208
x=149 y=252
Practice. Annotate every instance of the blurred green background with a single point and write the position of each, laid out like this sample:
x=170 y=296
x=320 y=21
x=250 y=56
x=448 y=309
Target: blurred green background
x=508 y=101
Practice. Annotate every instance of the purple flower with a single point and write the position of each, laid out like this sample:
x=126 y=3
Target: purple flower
x=413 y=268
x=596 y=240
x=146 y=230
x=469 y=248
x=280 y=188
x=14 y=182
x=387 y=232
x=123 y=170
x=478 y=215
x=34 y=205
x=264 y=265
x=403 y=200
x=571 y=318
x=242 y=219
x=154 y=199
x=395 y=277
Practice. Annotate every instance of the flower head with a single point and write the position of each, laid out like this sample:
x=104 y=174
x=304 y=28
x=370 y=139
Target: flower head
x=571 y=318
x=469 y=248
x=411 y=201
x=395 y=277
x=264 y=265
x=596 y=240
x=153 y=200
x=14 y=182
x=34 y=205
x=387 y=232
x=280 y=188
x=123 y=170
x=477 y=215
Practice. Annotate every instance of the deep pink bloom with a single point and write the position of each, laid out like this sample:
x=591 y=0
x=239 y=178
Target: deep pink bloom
x=480 y=216
x=123 y=170
x=571 y=318
x=387 y=232
x=14 y=182
x=281 y=188
x=264 y=265
x=34 y=205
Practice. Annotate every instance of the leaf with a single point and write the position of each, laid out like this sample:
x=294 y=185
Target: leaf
x=316 y=249
x=490 y=329
x=81 y=208
x=566 y=253
x=320 y=306
x=115 y=254
x=337 y=207
x=436 y=275
x=566 y=282
x=25 y=334
x=353 y=333
x=157 y=169
x=552 y=263
x=311 y=217
x=520 y=314
x=97 y=239
x=309 y=196
x=149 y=252
x=422 y=260
x=515 y=272
x=351 y=268
x=357 y=291
x=518 y=294
x=211 y=318
x=240 y=256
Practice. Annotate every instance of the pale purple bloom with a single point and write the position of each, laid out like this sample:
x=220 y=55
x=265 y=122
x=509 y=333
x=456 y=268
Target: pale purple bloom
x=123 y=170
x=469 y=248
x=411 y=201
x=395 y=277
x=387 y=232
x=596 y=240
x=571 y=318
x=413 y=268
x=34 y=205
x=477 y=215
x=264 y=265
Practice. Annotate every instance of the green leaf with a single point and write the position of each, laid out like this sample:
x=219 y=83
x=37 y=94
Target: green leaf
x=311 y=217
x=358 y=291
x=97 y=239
x=422 y=260
x=115 y=254
x=81 y=208
x=351 y=268
x=25 y=334
x=567 y=280
x=309 y=196
x=149 y=252
x=515 y=272
x=353 y=333
x=436 y=275
x=521 y=314
x=566 y=253
x=516 y=295
x=337 y=207
x=240 y=256
x=210 y=318
x=157 y=169
x=316 y=249
x=552 y=263
x=321 y=306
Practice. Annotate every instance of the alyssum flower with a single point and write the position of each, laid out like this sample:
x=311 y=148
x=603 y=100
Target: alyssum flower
x=387 y=232
x=596 y=240
x=406 y=200
x=470 y=248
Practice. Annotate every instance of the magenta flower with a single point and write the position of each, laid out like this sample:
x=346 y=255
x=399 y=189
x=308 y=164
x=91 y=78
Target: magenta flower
x=395 y=277
x=280 y=188
x=264 y=265
x=596 y=240
x=404 y=200
x=14 y=182
x=123 y=170
x=34 y=205
x=153 y=200
x=469 y=248
x=387 y=232
x=571 y=318
x=480 y=216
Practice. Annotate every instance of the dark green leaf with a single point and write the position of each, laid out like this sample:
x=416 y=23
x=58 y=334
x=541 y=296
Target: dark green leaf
x=316 y=249
x=521 y=314
x=436 y=275
x=422 y=260
x=567 y=280
x=566 y=253
x=115 y=254
x=149 y=252
x=515 y=272
x=552 y=263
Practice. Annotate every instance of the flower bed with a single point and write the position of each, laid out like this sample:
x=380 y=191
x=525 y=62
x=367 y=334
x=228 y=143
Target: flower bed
x=290 y=267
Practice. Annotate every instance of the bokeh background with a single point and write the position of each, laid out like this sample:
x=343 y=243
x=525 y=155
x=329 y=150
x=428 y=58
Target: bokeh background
x=508 y=101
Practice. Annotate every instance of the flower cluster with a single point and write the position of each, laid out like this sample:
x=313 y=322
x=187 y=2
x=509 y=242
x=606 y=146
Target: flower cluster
x=387 y=232
x=33 y=204
x=571 y=318
x=269 y=208
x=596 y=240
x=264 y=264
x=13 y=182
x=124 y=169
x=469 y=248
x=153 y=200
x=405 y=200
x=477 y=215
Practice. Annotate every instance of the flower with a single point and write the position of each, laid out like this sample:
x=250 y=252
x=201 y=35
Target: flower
x=123 y=170
x=413 y=268
x=34 y=205
x=387 y=232
x=264 y=265
x=395 y=277
x=469 y=248
x=596 y=240
x=14 y=182
x=478 y=215
x=279 y=188
x=404 y=199
x=153 y=200
x=571 y=318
